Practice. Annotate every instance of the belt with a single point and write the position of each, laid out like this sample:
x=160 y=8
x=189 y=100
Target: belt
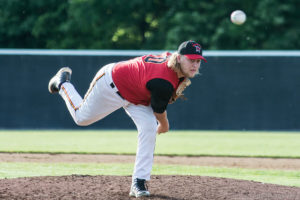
x=112 y=85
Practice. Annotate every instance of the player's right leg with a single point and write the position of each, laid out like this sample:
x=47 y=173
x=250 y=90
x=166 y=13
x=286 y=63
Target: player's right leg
x=100 y=100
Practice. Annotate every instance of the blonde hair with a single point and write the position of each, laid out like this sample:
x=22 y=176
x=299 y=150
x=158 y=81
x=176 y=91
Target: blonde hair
x=175 y=66
x=173 y=62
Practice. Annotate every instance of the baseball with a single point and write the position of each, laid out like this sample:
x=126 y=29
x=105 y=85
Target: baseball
x=238 y=17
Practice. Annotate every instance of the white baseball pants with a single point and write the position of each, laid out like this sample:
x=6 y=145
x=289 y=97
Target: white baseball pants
x=102 y=99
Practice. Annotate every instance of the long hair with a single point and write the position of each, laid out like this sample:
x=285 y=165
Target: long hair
x=173 y=62
x=175 y=66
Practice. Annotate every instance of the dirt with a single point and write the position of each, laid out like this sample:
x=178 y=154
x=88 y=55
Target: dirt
x=160 y=187
x=240 y=162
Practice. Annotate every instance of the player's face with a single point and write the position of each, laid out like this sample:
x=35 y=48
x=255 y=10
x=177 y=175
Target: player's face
x=189 y=68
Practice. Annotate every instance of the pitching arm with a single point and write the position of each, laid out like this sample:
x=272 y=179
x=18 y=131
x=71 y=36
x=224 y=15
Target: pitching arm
x=161 y=92
x=163 y=122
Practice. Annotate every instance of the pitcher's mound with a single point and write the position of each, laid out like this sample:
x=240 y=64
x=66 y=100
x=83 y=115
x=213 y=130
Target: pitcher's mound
x=160 y=187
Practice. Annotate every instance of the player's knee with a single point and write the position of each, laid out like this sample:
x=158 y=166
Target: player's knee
x=149 y=126
x=82 y=122
x=150 y=129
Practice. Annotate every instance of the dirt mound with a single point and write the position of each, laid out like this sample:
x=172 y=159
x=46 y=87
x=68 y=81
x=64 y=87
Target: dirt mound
x=160 y=187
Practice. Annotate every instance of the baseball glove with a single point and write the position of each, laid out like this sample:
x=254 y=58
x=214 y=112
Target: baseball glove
x=179 y=92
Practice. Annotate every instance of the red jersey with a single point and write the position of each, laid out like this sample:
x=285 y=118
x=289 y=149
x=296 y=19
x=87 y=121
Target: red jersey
x=131 y=76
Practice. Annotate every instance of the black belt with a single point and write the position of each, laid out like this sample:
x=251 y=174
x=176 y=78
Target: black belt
x=112 y=85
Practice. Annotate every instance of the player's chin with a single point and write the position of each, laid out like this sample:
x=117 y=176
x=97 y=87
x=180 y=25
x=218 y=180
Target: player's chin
x=192 y=74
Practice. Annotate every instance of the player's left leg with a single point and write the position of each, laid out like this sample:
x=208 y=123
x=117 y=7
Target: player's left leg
x=100 y=100
x=146 y=124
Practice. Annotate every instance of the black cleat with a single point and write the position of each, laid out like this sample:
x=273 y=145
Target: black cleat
x=63 y=75
x=139 y=188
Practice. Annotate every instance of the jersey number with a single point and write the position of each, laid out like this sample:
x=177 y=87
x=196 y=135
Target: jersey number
x=153 y=59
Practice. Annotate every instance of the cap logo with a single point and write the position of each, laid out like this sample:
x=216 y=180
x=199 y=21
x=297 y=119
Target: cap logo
x=197 y=47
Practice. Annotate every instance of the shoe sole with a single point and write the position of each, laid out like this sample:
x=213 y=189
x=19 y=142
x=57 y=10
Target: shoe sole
x=132 y=194
x=64 y=69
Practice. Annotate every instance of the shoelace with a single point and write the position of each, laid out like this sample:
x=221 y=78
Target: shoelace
x=140 y=184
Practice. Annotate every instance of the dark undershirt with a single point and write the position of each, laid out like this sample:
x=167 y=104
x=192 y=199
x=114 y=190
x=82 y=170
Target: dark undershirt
x=161 y=91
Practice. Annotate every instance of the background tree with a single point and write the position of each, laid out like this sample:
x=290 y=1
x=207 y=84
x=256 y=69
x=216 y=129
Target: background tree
x=147 y=24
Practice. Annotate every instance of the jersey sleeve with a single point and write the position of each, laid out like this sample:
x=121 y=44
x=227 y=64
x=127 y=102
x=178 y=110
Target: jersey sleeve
x=161 y=91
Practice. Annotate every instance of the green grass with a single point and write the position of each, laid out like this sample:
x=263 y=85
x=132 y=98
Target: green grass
x=14 y=170
x=191 y=143
x=106 y=142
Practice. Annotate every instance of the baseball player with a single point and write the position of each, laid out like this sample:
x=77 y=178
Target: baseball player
x=143 y=86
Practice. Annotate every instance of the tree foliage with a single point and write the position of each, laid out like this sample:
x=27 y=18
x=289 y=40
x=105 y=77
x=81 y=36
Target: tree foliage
x=147 y=24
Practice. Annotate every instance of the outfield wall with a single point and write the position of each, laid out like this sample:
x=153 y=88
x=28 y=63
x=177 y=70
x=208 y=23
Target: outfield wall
x=237 y=90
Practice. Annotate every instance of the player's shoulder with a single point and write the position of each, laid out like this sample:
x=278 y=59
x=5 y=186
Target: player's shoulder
x=163 y=54
x=167 y=54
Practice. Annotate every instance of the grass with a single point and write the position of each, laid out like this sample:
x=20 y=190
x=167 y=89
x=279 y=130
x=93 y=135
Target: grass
x=14 y=170
x=190 y=143
x=106 y=142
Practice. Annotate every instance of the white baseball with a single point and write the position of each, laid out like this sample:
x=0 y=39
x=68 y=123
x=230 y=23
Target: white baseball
x=238 y=17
